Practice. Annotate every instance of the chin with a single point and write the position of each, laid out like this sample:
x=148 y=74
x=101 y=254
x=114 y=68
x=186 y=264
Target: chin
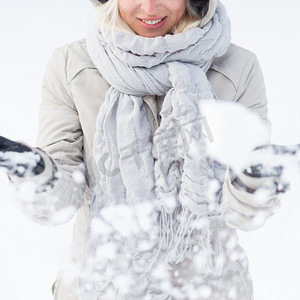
x=151 y=34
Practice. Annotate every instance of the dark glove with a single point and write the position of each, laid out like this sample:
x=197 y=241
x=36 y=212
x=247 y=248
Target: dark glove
x=19 y=159
x=274 y=159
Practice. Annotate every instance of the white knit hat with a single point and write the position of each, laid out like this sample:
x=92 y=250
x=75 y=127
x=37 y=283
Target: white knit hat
x=211 y=10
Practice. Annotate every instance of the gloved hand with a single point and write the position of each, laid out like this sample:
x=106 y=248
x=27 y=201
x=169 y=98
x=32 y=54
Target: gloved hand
x=19 y=159
x=252 y=196
x=272 y=160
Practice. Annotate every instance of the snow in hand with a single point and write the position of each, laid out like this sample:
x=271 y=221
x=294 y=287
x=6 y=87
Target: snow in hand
x=240 y=140
x=235 y=131
x=21 y=163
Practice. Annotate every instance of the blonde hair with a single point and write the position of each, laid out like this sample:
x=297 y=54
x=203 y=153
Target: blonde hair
x=107 y=15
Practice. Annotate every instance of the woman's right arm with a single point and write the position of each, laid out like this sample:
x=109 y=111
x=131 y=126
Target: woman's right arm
x=62 y=183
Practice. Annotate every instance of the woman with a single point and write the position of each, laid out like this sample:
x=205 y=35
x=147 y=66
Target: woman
x=112 y=105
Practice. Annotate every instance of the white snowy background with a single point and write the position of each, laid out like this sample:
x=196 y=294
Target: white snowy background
x=30 y=30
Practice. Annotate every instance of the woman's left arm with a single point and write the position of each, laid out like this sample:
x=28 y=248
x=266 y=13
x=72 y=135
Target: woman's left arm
x=248 y=204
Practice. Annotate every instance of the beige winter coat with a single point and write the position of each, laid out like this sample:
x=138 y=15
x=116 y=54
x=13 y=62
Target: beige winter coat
x=72 y=93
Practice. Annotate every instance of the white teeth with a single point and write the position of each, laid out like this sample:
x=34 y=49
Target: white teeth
x=151 y=22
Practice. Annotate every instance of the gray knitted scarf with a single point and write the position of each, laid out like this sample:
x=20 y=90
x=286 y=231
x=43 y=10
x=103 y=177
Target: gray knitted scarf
x=151 y=207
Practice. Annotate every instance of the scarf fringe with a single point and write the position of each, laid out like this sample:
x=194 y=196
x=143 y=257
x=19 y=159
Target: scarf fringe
x=182 y=235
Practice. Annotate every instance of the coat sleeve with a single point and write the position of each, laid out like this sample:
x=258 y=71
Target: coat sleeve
x=251 y=91
x=243 y=207
x=60 y=138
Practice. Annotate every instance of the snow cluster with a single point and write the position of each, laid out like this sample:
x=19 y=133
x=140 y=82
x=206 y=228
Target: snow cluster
x=21 y=163
x=236 y=132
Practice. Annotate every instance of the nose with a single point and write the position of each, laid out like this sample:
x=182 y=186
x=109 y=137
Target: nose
x=151 y=7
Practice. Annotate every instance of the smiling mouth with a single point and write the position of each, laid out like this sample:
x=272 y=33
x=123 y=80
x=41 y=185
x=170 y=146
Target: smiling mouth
x=151 y=22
